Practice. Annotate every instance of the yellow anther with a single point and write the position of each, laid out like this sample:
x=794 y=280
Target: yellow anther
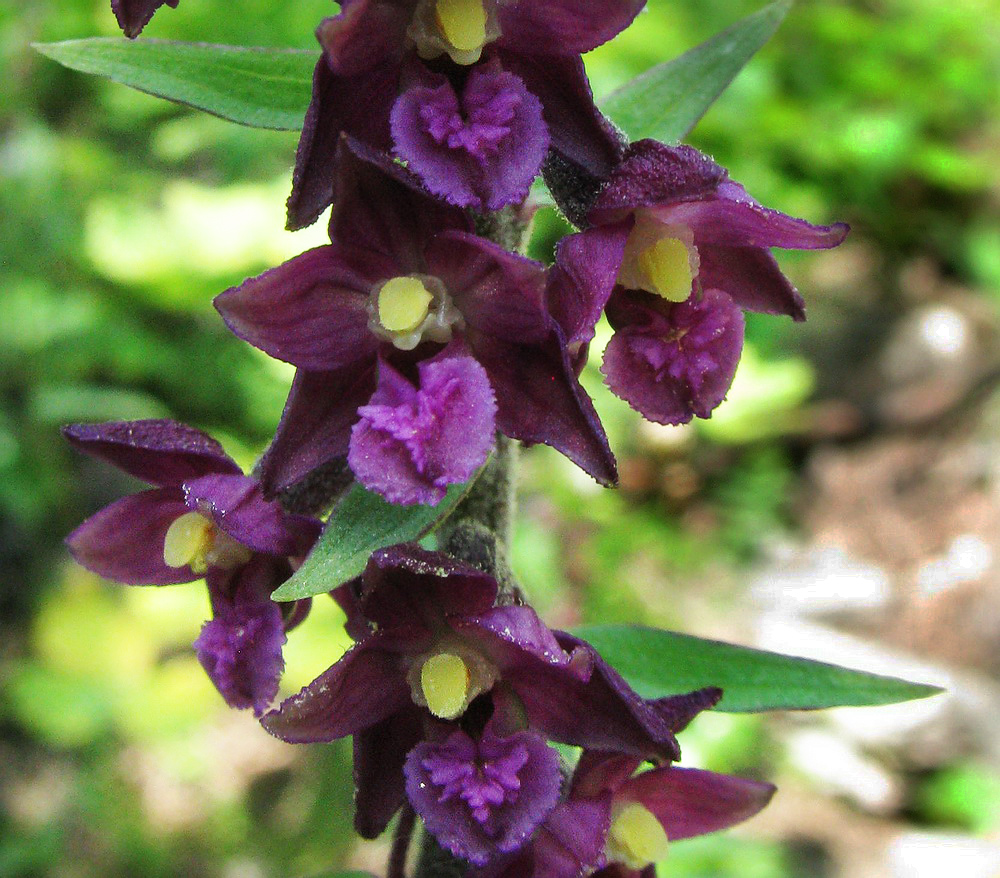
x=666 y=264
x=188 y=541
x=444 y=680
x=462 y=23
x=403 y=304
x=636 y=837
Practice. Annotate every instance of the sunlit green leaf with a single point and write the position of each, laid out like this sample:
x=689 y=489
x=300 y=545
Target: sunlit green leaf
x=362 y=523
x=666 y=101
x=658 y=663
x=264 y=88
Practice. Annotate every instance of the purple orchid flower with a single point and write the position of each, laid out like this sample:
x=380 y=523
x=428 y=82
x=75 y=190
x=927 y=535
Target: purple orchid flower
x=415 y=342
x=134 y=15
x=615 y=823
x=203 y=518
x=682 y=251
x=437 y=651
x=505 y=81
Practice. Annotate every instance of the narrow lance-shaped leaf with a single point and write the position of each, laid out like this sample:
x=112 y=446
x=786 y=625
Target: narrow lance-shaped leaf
x=264 y=88
x=362 y=523
x=659 y=663
x=666 y=101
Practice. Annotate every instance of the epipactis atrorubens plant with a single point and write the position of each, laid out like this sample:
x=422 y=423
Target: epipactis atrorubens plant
x=424 y=342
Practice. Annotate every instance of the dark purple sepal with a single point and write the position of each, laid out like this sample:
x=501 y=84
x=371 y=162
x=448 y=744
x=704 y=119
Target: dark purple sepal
x=124 y=541
x=673 y=361
x=240 y=648
x=315 y=426
x=381 y=207
x=678 y=710
x=366 y=34
x=358 y=104
x=653 y=174
x=563 y=27
x=339 y=701
x=411 y=443
x=483 y=798
x=689 y=801
x=134 y=15
x=481 y=149
x=578 y=132
x=310 y=311
x=752 y=278
x=407 y=590
x=379 y=756
x=161 y=452
x=602 y=713
x=540 y=400
x=237 y=506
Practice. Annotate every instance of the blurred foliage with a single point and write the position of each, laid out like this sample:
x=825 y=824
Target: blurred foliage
x=124 y=216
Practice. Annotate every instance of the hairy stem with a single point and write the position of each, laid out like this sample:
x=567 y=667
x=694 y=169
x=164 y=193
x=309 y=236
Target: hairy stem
x=479 y=530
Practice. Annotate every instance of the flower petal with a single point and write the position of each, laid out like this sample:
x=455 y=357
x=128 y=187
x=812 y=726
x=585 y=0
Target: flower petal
x=583 y=277
x=745 y=223
x=654 y=174
x=405 y=586
x=124 y=541
x=310 y=311
x=381 y=207
x=483 y=798
x=499 y=293
x=672 y=362
x=339 y=701
x=240 y=648
x=411 y=443
x=689 y=801
x=358 y=104
x=482 y=152
x=578 y=132
x=539 y=399
x=237 y=505
x=563 y=27
x=379 y=755
x=750 y=276
x=315 y=425
x=162 y=452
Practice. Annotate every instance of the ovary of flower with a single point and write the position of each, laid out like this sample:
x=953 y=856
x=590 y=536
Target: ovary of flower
x=660 y=259
x=444 y=681
x=462 y=24
x=403 y=304
x=193 y=540
x=636 y=837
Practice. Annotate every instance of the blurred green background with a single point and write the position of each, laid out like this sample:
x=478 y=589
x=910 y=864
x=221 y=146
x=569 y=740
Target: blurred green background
x=124 y=216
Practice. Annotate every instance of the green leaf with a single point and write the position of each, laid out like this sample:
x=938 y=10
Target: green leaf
x=362 y=523
x=658 y=663
x=666 y=101
x=264 y=88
